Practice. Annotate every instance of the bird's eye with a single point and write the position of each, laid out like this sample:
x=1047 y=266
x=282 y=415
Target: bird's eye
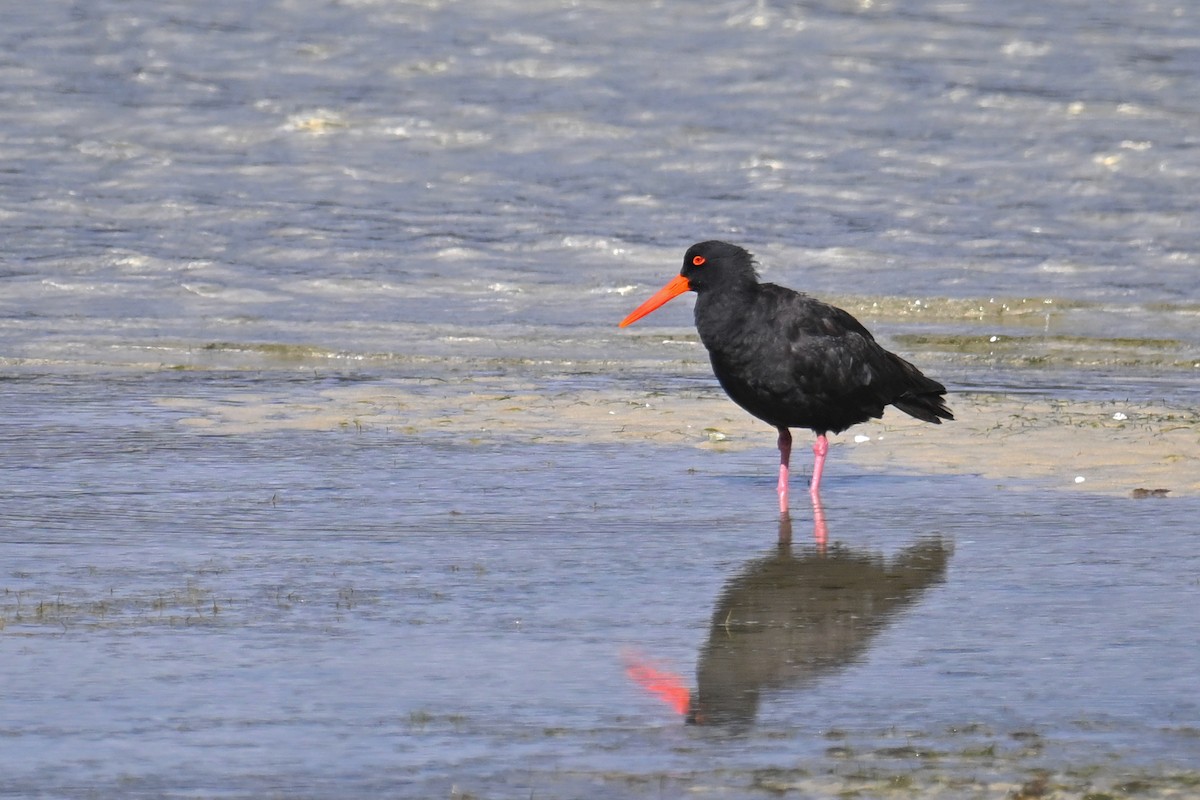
x=698 y=260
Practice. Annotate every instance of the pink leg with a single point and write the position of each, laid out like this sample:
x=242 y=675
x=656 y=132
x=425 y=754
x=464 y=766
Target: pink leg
x=820 y=448
x=785 y=456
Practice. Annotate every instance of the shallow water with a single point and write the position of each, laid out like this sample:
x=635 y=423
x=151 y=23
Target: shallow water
x=360 y=610
x=221 y=220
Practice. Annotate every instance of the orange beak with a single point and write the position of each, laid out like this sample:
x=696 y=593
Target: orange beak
x=676 y=287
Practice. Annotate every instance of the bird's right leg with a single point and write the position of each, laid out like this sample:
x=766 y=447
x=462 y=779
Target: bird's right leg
x=785 y=457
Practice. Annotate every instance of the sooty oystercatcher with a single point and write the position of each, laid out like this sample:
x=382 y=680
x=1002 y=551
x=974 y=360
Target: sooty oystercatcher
x=791 y=360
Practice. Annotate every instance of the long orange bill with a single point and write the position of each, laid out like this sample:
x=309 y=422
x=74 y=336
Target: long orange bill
x=676 y=287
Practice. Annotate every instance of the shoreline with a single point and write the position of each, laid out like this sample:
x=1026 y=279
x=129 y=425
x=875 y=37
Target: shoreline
x=1115 y=447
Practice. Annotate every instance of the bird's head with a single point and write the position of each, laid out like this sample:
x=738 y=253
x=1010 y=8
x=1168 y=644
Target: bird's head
x=706 y=265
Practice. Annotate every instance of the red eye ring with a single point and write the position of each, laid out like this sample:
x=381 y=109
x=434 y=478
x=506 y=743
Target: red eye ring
x=698 y=260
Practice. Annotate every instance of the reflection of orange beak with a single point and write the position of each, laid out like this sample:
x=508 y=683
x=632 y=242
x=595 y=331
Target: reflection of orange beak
x=668 y=686
x=676 y=287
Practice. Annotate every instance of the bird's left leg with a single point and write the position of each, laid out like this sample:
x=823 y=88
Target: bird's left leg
x=785 y=456
x=820 y=448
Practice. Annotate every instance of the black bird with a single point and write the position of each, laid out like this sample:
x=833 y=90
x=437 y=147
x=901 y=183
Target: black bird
x=791 y=360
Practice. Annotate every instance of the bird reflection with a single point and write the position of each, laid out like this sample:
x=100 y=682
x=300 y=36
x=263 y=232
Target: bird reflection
x=793 y=617
x=820 y=526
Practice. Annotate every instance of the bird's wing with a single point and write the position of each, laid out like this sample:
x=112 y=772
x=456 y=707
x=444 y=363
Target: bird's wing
x=800 y=315
x=828 y=347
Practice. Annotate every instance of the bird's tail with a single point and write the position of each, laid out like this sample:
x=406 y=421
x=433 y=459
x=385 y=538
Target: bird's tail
x=923 y=397
x=928 y=406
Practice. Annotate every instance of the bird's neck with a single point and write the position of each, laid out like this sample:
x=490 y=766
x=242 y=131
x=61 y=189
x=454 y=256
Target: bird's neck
x=720 y=315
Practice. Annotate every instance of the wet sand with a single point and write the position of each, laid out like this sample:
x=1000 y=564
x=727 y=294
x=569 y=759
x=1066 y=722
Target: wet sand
x=1117 y=448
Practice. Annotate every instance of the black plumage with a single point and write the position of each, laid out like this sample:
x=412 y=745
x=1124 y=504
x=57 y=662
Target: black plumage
x=789 y=359
x=793 y=361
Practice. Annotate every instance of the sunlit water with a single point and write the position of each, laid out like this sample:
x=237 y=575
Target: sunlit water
x=202 y=201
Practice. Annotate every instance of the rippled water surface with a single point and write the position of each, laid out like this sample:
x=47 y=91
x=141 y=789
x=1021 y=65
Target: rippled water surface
x=252 y=205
